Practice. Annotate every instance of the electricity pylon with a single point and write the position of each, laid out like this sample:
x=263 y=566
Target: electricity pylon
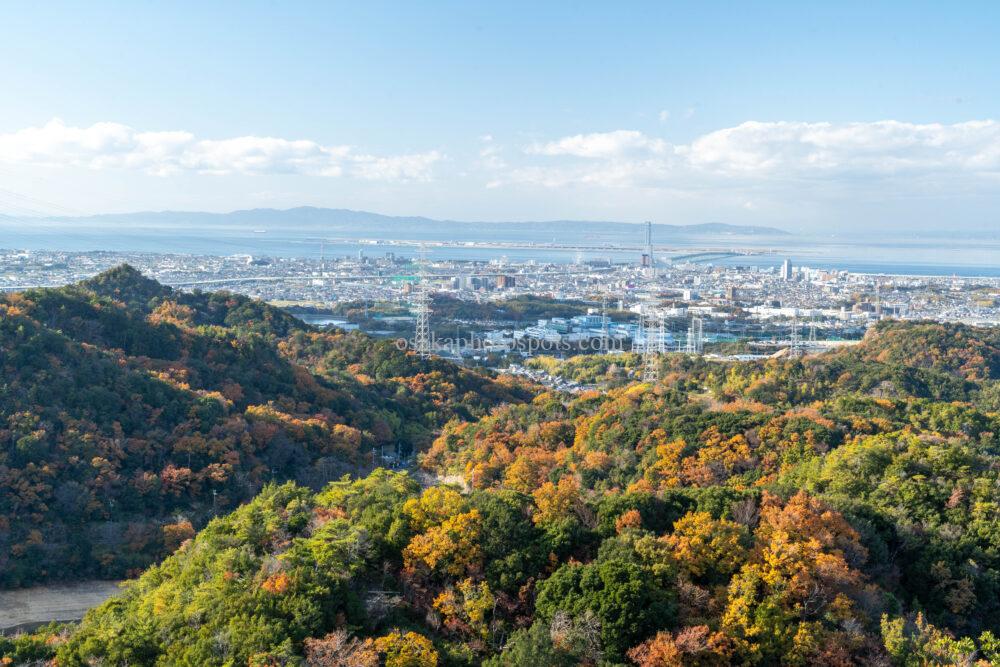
x=421 y=304
x=640 y=330
x=604 y=324
x=695 y=342
x=878 y=299
x=652 y=346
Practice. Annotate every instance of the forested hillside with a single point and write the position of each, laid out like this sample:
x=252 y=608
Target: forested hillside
x=446 y=308
x=832 y=510
x=131 y=413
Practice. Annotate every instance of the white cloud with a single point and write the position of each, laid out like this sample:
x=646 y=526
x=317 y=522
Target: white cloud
x=615 y=144
x=664 y=116
x=490 y=156
x=879 y=148
x=610 y=174
x=117 y=146
x=758 y=163
x=415 y=167
x=768 y=153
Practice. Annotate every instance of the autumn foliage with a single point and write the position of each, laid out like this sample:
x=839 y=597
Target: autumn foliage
x=832 y=510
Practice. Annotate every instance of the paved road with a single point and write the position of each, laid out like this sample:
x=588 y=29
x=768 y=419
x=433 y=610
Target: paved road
x=34 y=606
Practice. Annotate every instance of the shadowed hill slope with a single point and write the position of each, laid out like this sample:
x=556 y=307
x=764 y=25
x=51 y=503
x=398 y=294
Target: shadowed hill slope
x=130 y=413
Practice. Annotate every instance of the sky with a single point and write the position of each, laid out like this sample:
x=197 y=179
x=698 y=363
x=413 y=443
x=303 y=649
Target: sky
x=809 y=116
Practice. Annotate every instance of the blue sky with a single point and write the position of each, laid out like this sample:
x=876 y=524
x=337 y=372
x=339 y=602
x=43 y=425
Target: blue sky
x=750 y=113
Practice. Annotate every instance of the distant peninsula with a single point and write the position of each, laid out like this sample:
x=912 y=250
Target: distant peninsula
x=345 y=221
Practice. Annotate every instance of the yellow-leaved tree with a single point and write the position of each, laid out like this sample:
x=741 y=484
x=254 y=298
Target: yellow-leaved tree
x=451 y=549
x=410 y=649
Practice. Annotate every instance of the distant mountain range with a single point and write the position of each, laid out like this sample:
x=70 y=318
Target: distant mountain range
x=367 y=224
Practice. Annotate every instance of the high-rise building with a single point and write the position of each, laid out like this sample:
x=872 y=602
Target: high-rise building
x=506 y=282
x=786 y=270
x=647 y=254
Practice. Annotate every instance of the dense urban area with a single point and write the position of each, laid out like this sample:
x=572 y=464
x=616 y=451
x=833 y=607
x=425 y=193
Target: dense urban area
x=766 y=306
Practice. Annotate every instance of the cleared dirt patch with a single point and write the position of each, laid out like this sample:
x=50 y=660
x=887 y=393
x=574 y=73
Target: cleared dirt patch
x=27 y=607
